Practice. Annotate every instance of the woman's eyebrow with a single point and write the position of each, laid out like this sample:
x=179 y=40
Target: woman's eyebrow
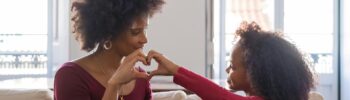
x=145 y=27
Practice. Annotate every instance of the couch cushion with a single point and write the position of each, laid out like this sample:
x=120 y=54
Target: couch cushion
x=170 y=95
x=25 y=94
x=193 y=97
x=315 y=96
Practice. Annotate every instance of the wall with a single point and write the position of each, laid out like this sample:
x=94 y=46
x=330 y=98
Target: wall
x=61 y=33
x=179 y=33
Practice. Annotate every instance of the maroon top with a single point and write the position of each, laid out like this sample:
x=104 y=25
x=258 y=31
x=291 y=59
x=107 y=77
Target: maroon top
x=72 y=82
x=205 y=88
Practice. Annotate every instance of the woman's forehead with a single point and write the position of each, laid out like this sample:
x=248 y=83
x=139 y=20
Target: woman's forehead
x=140 y=23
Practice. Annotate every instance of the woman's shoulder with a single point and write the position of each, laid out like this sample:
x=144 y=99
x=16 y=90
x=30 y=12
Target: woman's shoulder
x=69 y=68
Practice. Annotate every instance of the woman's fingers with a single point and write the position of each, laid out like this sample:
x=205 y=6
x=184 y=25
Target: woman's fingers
x=137 y=52
x=134 y=57
x=139 y=58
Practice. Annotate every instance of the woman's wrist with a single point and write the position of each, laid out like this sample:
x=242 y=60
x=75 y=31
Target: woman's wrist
x=113 y=85
x=111 y=91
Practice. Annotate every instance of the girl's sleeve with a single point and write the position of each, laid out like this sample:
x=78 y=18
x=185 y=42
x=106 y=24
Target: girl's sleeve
x=205 y=88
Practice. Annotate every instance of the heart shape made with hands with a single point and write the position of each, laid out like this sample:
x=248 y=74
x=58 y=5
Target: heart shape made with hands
x=163 y=66
x=127 y=72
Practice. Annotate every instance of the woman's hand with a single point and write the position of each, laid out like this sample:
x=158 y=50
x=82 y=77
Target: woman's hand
x=165 y=66
x=126 y=72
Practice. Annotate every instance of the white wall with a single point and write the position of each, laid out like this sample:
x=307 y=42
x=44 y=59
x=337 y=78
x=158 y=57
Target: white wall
x=61 y=33
x=178 y=32
x=65 y=47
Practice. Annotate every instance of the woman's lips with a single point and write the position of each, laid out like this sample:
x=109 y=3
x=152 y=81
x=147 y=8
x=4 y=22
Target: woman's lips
x=140 y=47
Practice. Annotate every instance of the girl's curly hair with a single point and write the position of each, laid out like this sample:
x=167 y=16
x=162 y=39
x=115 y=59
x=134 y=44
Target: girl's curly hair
x=276 y=68
x=97 y=21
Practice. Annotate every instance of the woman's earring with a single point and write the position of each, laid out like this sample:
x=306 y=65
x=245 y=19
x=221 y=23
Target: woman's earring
x=107 y=45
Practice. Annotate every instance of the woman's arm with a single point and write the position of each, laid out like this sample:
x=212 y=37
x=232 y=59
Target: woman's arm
x=111 y=92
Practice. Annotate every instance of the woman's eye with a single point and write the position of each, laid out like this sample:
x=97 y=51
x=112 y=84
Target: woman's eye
x=136 y=31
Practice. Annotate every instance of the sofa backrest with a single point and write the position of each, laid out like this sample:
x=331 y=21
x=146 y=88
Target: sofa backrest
x=25 y=94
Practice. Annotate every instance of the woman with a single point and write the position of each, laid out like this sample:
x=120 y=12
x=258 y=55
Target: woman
x=264 y=65
x=111 y=30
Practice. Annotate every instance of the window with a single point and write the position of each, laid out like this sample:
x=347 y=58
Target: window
x=346 y=17
x=310 y=26
x=23 y=38
x=233 y=13
x=237 y=11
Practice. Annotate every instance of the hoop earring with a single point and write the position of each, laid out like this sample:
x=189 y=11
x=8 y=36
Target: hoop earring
x=109 y=46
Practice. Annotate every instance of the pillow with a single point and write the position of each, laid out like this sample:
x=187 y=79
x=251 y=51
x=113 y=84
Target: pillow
x=169 y=95
x=25 y=94
x=193 y=97
x=315 y=96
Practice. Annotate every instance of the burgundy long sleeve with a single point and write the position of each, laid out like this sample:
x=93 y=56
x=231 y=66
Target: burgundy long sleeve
x=205 y=88
x=72 y=82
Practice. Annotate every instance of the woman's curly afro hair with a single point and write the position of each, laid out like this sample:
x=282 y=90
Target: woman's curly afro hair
x=97 y=21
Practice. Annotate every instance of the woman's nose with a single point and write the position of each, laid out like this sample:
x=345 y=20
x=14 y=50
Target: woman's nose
x=143 y=39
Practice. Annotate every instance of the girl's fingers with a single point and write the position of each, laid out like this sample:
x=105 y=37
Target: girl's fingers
x=142 y=75
x=153 y=73
x=149 y=56
x=154 y=55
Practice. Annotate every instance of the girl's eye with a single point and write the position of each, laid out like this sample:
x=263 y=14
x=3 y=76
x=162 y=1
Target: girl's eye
x=233 y=68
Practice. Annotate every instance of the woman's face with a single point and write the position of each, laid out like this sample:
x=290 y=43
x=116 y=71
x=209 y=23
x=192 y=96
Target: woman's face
x=132 y=39
x=237 y=74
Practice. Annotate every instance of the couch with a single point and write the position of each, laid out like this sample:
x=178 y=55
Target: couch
x=46 y=94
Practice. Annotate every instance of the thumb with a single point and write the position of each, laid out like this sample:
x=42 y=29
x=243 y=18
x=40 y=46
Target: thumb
x=142 y=75
x=154 y=73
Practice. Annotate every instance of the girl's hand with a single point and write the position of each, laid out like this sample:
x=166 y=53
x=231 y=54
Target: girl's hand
x=165 y=66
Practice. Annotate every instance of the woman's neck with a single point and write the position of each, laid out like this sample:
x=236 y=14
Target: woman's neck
x=106 y=59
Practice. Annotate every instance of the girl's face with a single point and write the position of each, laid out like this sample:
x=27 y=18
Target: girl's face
x=133 y=39
x=237 y=74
